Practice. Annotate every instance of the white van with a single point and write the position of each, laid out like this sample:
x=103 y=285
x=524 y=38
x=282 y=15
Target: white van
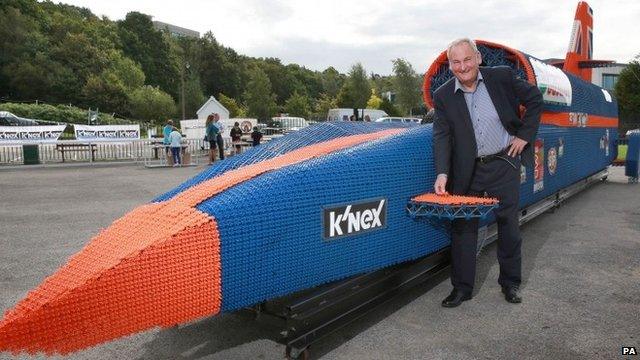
x=344 y=114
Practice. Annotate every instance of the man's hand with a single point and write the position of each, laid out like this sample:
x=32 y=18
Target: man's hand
x=516 y=147
x=440 y=185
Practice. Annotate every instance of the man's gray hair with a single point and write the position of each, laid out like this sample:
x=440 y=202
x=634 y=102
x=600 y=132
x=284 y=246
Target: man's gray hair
x=460 y=41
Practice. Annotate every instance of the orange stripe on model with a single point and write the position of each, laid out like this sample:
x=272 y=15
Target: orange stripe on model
x=159 y=265
x=209 y=188
x=578 y=120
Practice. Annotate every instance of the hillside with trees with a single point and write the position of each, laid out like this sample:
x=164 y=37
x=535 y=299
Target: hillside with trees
x=65 y=55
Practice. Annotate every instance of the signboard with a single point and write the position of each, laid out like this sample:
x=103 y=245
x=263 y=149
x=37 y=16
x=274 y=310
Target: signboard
x=106 y=132
x=355 y=218
x=552 y=82
x=30 y=134
x=538 y=166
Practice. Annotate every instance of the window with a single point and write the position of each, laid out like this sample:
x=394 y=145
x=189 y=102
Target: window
x=609 y=81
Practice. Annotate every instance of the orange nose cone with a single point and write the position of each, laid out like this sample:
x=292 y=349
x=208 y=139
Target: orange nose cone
x=157 y=266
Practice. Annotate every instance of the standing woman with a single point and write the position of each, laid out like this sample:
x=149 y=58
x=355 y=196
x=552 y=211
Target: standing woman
x=212 y=133
x=219 y=140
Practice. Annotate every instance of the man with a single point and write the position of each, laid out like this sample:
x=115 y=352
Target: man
x=236 y=137
x=479 y=141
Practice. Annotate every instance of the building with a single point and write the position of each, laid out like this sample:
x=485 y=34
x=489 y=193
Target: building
x=603 y=73
x=175 y=30
x=607 y=76
x=212 y=106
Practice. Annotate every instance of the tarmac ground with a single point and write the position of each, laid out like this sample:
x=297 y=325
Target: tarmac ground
x=581 y=278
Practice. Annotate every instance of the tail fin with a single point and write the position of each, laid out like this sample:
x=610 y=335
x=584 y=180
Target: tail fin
x=581 y=45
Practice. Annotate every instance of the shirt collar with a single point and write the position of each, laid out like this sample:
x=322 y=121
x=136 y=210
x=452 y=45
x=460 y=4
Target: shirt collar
x=458 y=85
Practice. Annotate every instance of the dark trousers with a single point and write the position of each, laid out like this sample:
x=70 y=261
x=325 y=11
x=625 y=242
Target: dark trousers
x=175 y=151
x=220 y=145
x=499 y=179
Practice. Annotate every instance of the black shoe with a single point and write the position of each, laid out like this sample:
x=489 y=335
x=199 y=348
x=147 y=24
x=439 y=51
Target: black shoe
x=511 y=294
x=455 y=298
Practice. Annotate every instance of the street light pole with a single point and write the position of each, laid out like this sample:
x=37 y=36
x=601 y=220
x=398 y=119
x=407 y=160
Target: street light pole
x=182 y=87
x=183 y=68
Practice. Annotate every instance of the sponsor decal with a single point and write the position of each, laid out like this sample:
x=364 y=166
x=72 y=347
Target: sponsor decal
x=355 y=218
x=106 y=132
x=552 y=161
x=606 y=143
x=538 y=166
x=553 y=83
x=523 y=174
x=560 y=147
x=246 y=126
x=578 y=119
x=30 y=134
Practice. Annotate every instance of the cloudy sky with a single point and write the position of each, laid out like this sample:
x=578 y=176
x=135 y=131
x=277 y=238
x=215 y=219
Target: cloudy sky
x=339 y=33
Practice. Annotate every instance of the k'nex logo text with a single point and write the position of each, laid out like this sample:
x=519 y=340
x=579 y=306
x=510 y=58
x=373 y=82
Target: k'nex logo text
x=353 y=219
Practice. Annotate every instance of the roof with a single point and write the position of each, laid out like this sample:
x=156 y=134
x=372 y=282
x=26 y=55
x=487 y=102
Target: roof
x=211 y=99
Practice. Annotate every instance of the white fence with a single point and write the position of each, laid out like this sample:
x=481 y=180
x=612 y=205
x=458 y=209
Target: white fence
x=130 y=150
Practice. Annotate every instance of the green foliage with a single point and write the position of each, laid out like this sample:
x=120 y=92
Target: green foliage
x=60 y=53
x=374 y=101
x=235 y=109
x=297 y=105
x=148 y=47
x=57 y=113
x=260 y=100
x=389 y=108
x=356 y=89
x=628 y=95
x=151 y=104
x=323 y=105
x=407 y=85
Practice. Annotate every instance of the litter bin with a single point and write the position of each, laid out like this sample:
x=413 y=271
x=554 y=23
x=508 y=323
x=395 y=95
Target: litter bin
x=30 y=154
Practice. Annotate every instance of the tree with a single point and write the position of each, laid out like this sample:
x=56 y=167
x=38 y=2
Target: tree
x=147 y=46
x=235 y=109
x=407 y=85
x=374 y=101
x=323 y=104
x=260 y=100
x=356 y=89
x=389 y=108
x=149 y=103
x=297 y=105
x=331 y=81
x=628 y=95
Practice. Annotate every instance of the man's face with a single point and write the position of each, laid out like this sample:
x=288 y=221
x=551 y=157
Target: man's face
x=464 y=63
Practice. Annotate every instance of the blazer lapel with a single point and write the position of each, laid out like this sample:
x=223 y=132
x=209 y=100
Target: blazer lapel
x=461 y=104
x=493 y=94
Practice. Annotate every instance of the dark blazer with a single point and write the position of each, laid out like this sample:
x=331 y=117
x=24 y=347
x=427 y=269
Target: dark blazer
x=454 y=143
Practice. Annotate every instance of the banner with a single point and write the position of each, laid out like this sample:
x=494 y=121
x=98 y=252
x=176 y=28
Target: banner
x=30 y=134
x=106 y=132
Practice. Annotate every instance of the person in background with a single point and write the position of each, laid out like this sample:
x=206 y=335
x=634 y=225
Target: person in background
x=219 y=140
x=166 y=132
x=236 y=137
x=211 y=135
x=176 y=145
x=256 y=136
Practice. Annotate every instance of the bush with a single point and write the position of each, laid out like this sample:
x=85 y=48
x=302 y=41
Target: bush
x=57 y=113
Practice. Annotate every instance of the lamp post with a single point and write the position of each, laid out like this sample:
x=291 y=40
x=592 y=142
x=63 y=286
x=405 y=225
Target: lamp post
x=183 y=68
